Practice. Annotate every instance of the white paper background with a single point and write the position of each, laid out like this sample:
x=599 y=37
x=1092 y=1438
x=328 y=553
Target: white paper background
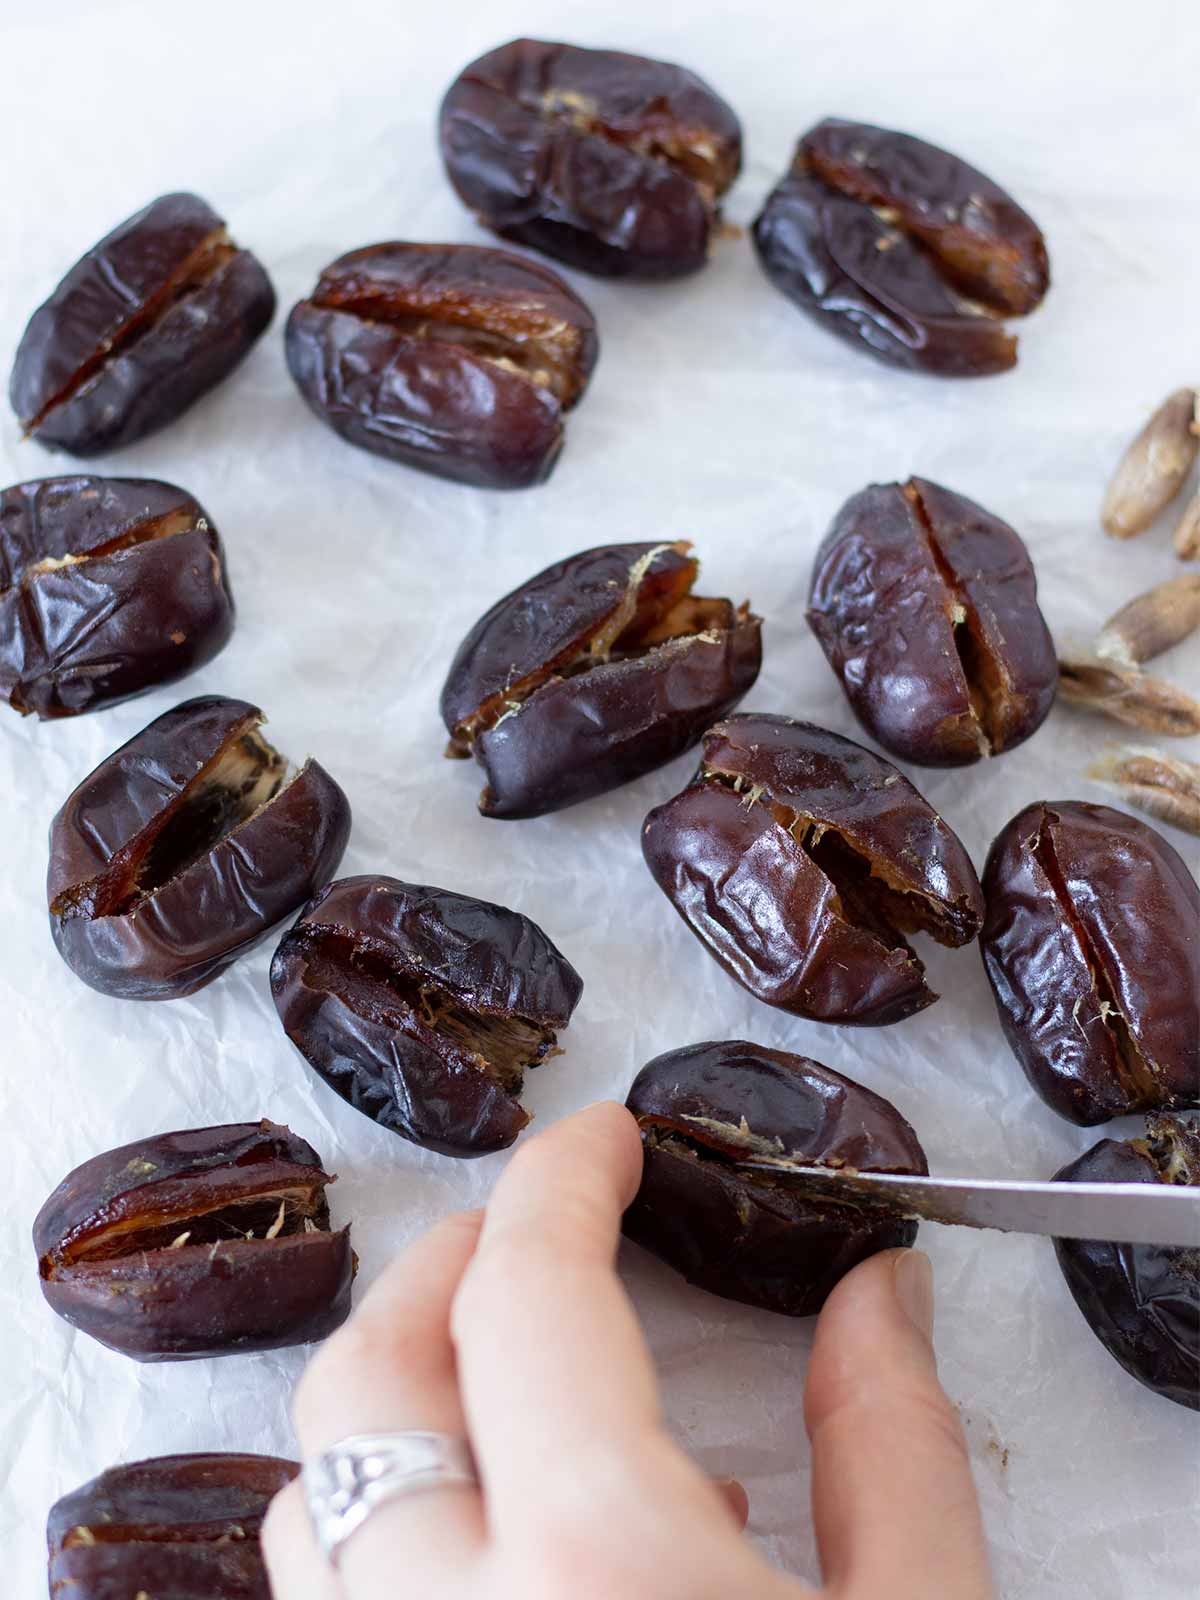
x=719 y=413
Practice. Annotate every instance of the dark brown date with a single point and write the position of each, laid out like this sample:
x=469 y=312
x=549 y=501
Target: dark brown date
x=214 y=1241
x=1092 y=946
x=456 y=359
x=598 y=670
x=1142 y=1301
x=748 y=1235
x=150 y=319
x=902 y=249
x=611 y=162
x=926 y=608
x=423 y=1008
x=172 y=1528
x=800 y=861
x=108 y=587
x=184 y=848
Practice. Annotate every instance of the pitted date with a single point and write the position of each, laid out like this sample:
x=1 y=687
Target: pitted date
x=611 y=162
x=174 y=1527
x=926 y=608
x=598 y=670
x=213 y=1241
x=108 y=587
x=1142 y=1301
x=800 y=860
x=423 y=1008
x=150 y=319
x=749 y=1235
x=456 y=359
x=1092 y=947
x=184 y=848
x=902 y=249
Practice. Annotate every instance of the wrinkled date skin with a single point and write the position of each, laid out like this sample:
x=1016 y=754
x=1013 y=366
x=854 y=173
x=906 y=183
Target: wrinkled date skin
x=423 y=1008
x=1142 y=1301
x=902 y=249
x=746 y=1234
x=1092 y=947
x=184 y=848
x=926 y=608
x=598 y=670
x=172 y=1528
x=108 y=587
x=213 y=1241
x=459 y=360
x=800 y=861
x=611 y=162
x=150 y=319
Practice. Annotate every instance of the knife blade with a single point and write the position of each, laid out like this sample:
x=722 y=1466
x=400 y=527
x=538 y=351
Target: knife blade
x=1125 y=1213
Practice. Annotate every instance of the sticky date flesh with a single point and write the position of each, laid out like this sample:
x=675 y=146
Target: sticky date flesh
x=800 y=860
x=1092 y=947
x=459 y=360
x=612 y=162
x=748 y=1235
x=151 y=318
x=902 y=249
x=1141 y=1301
x=187 y=1526
x=600 y=669
x=108 y=587
x=926 y=608
x=213 y=1241
x=423 y=1008
x=184 y=848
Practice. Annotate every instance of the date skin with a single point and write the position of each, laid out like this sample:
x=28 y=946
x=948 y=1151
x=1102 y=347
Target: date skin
x=800 y=860
x=108 y=587
x=184 y=848
x=151 y=318
x=1141 y=1301
x=423 y=1008
x=175 y=1527
x=926 y=608
x=611 y=162
x=902 y=249
x=1092 y=947
x=213 y=1241
x=598 y=670
x=749 y=1235
x=455 y=359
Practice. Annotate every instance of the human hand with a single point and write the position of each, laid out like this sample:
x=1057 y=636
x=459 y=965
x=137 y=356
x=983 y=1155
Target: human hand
x=511 y=1328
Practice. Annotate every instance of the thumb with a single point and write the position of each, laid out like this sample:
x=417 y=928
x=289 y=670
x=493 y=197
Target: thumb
x=894 y=1503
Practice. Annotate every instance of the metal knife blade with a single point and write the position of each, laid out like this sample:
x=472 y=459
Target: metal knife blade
x=1128 y=1213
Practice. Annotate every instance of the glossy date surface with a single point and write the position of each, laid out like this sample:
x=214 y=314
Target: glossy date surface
x=456 y=359
x=800 y=861
x=749 y=1235
x=184 y=847
x=423 y=1008
x=1141 y=1301
x=212 y=1241
x=146 y=322
x=926 y=608
x=1092 y=947
x=597 y=670
x=612 y=162
x=108 y=587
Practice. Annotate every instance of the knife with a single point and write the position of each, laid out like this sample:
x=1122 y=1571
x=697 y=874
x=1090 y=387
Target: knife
x=1124 y=1213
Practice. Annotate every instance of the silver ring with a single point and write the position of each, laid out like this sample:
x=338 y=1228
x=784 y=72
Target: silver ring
x=345 y=1484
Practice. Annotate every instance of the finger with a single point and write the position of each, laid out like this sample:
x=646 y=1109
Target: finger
x=297 y=1568
x=893 y=1499
x=735 y=1497
x=389 y=1369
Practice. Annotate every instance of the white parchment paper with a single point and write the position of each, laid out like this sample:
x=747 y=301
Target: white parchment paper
x=718 y=413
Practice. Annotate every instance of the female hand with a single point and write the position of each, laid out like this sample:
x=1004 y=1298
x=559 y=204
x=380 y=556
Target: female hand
x=511 y=1328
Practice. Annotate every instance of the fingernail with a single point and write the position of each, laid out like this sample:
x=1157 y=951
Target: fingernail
x=913 y=1277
